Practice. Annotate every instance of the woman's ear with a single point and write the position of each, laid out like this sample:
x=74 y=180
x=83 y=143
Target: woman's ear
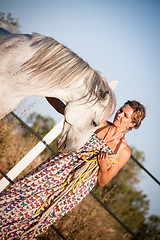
x=132 y=125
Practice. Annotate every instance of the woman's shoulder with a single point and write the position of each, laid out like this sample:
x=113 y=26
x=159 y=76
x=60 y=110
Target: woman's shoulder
x=125 y=149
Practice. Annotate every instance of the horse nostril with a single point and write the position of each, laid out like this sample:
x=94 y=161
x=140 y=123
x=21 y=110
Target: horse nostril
x=94 y=123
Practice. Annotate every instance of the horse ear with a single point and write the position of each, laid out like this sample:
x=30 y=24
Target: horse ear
x=113 y=84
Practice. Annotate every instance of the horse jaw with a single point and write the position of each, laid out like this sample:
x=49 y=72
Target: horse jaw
x=78 y=122
x=69 y=142
x=61 y=144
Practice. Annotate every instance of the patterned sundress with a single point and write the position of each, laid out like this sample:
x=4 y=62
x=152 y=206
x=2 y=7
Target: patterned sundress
x=19 y=203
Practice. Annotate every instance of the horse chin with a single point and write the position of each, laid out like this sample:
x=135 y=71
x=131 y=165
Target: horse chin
x=62 y=147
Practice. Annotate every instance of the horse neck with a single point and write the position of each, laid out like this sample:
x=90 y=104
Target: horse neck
x=34 y=87
x=69 y=94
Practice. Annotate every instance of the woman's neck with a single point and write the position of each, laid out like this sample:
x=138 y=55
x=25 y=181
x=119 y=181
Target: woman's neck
x=116 y=132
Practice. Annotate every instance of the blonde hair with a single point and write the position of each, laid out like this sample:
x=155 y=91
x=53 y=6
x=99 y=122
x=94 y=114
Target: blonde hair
x=139 y=112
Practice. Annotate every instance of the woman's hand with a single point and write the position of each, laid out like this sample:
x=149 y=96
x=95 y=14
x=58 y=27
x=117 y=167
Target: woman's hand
x=103 y=165
x=103 y=161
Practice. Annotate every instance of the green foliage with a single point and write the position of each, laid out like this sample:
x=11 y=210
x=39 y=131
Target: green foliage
x=10 y=19
x=150 y=229
x=42 y=125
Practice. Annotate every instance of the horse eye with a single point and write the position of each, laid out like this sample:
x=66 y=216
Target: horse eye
x=103 y=94
x=94 y=123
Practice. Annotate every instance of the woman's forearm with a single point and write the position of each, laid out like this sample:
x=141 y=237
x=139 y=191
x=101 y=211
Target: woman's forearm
x=103 y=163
x=102 y=178
x=58 y=105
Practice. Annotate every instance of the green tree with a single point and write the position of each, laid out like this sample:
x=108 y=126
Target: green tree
x=150 y=229
x=41 y=125
x=10 y=19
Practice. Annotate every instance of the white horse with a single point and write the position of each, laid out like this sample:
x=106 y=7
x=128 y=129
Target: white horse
x=36 y=65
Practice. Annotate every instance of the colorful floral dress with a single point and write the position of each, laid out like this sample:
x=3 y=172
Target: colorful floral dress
x=19 y=203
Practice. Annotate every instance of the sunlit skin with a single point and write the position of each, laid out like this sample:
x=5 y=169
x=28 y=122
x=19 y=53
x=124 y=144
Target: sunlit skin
x=119 y=126
x=121 y=122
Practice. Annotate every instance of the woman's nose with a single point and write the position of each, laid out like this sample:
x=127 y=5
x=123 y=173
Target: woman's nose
x=120 y=114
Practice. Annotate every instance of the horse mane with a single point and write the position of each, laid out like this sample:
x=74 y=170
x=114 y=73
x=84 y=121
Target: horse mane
x=55 y=64
x=8 y=27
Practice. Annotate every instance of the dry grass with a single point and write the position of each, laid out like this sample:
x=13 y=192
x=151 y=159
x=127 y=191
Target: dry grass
x=13 y=147
x=88 y=220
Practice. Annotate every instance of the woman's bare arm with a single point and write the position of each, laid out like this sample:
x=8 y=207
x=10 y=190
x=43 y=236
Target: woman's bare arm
x=104 y=174
x=57 y=104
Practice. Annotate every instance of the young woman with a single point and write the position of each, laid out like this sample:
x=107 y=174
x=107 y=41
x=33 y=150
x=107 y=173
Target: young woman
x=127 y=117
x=44 y=195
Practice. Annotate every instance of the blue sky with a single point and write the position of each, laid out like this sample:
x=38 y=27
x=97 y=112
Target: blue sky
x=120 y=38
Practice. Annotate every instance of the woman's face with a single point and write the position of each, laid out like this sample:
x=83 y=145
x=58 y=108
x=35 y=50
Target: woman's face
x=123 y=117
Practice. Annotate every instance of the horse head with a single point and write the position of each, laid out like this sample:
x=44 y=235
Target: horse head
x=46 y=67
x=83 y=116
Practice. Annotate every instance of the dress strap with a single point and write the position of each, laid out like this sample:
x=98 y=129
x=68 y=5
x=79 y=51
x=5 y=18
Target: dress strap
x=119 y=144
x=106 y=133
